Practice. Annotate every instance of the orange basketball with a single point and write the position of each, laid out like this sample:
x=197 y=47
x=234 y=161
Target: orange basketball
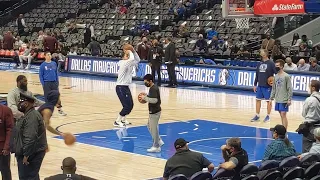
x=69 y=139
x=140 y=98
x=270 y=80
x=128 y=47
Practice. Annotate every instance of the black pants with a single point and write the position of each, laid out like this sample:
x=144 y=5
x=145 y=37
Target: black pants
x=5 y=167
x=155 y=67
x=30 y=171
x=309 y=140
x=125 y=98
x=172 y=74
x=49 y=86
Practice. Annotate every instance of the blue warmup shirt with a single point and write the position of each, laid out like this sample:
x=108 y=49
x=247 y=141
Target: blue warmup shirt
x=48 y=72
x=264 y=70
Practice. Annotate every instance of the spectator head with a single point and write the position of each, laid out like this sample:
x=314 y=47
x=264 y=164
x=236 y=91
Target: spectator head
x=214 y=38
x=22 y=82
x=41 y=33
x=302 y=62
x=9 y=33
x=88 y=21
x=277 y=42
x=148 y=80
x=264 y=54
x=314 y=86
x=167 y=40
x=316 y=133
x=279 y=63
x=155 y=42
x=144 y=39
x=313 y=61
x=69 y=166
x=20 y=15
x=200 y=36
x=181 y=144
x=289 y=61
x=268 y=36
x=304 y=37
x=47 y=56
x=279 y=131
x=233 y=145
x=25 y=103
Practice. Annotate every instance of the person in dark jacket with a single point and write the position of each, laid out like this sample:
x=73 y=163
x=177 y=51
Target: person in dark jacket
x=34 y=140
x=50 y=43
x=155 y=55
x=94 y=47
x=6 y=125
x=171 y=61
x=8 y=41
x=143 y=49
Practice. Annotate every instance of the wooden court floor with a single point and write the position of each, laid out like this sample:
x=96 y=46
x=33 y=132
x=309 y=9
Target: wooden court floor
x=94 y=103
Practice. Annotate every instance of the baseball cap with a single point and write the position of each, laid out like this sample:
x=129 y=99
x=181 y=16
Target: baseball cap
x=179 y=143
x=25 y=97
x=279 y=129
x=316 y=132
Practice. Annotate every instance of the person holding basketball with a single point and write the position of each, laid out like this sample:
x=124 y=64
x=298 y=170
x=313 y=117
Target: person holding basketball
x=265 y=70
x=126 y=65
x=282 y=92
x=154 y=102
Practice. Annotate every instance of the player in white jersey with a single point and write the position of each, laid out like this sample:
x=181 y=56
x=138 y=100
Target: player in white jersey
x=130 y=60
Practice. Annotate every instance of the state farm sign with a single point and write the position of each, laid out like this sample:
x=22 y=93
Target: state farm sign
x=274 y=7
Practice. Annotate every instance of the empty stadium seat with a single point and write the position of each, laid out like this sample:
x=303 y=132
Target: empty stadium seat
x=178 y=177
x=316 y=178
x=296 y=172
x=249 y=169
x=251 y=177
x=308 y=160
x=201 y=176
x=312 y=170
x=274 y=175
x=268 y=164
x=288 y=163
x=224 y=174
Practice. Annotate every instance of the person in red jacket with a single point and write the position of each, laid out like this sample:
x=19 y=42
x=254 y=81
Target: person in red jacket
x=6 y=125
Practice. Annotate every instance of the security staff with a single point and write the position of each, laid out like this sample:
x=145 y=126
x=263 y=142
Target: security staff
x=33 y=138
x=311 y=115
x=155 y=55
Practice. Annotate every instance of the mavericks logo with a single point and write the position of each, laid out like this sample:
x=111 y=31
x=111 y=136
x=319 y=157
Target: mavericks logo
x=287 y=7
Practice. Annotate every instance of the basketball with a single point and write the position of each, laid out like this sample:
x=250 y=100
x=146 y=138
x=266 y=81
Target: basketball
x=128 y=47
x=140 y=98
x=270 y=80
x=69 y=139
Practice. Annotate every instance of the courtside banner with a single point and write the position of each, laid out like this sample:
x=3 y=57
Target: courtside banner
x=274 y=7
x=200 y=75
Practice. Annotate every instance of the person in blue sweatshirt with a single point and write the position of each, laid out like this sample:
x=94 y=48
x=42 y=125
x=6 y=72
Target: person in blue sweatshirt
x=265 y=69
x=48 y=75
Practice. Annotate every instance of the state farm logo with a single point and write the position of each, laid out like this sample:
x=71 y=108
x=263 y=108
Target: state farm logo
x=286 y=7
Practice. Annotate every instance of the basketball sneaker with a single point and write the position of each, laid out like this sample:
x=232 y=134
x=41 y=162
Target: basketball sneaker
x=125 y=121
x=161 y=143
x=266 y=119
x=154 y=150
x=255 y=118
x=119 y=124
x=61 y=112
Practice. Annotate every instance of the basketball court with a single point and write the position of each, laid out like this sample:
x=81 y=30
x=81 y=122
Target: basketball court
x=204 y=117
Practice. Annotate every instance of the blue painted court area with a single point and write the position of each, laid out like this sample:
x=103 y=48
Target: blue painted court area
x=204 y=136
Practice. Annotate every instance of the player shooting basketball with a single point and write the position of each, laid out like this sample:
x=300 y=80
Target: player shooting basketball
x=265 y=69
x=130 y=60
x=282 y=92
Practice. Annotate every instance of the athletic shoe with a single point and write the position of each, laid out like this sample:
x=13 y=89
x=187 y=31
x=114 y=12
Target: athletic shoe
x=28 y=67
x=62 y=113
x=154 y=150
x=126 y=122
x=20 y=67
x=116 y=124
x=161 y=143
x=255 y=119
x=266 y=119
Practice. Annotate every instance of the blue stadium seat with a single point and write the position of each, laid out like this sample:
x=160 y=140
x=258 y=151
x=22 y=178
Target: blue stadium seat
x=240 y=63
x=224 y=174
x=308 y=160
x=201 y=176
x=246 y=63
x=249 y=169
x=296 y=172
x=227 y=62
x=178 y=177
x=288 y=163
x=316 y=178
x=233 y=62
x=252 y=177
x=312 y=170
x=268 y=164
x=274 y=175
